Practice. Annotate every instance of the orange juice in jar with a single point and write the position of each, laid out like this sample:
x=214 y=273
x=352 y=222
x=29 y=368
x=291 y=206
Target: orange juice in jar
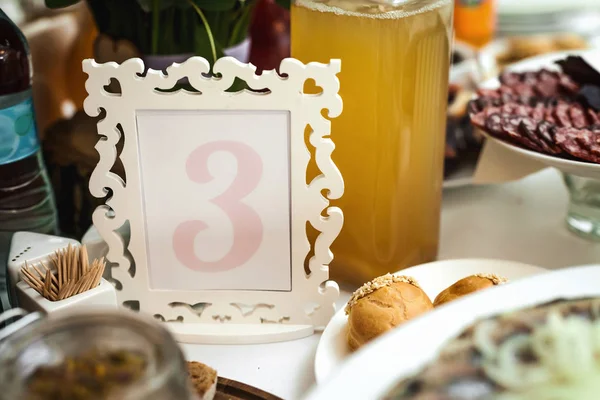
x=390 y=137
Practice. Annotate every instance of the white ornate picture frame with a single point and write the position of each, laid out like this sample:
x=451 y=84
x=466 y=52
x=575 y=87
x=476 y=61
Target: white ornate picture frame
x=158 y=270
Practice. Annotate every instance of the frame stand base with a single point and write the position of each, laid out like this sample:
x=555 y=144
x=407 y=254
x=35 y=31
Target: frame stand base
x=237 y=333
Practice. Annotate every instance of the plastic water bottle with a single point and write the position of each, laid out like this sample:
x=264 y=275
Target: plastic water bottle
x=26 y=198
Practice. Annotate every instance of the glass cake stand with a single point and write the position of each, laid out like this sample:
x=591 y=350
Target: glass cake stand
x=583 y=182
x=583 y=215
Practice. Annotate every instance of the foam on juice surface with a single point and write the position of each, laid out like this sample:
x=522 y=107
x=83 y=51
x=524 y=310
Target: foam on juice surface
x=372 y=8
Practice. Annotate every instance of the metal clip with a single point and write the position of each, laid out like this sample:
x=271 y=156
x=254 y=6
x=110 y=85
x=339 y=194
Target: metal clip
x=21 y=319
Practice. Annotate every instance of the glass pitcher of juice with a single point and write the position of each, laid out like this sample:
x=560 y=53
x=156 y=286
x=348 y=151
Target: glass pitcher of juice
x=390 y=137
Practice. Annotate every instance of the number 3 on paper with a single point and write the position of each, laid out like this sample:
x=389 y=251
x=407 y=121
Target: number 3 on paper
x=246 y=223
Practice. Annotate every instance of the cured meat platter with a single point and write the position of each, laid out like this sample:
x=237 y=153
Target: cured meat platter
x=547 y=108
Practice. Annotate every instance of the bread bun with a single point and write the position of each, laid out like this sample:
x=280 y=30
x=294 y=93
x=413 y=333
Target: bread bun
x=467 y=285
x=381 y=305
x=204 y=380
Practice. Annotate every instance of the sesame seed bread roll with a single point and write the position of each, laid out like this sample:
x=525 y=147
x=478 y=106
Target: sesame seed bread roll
x=466 y=286
x=381 y=305
x=204 y=380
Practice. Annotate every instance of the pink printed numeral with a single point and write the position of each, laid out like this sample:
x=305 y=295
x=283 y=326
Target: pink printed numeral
x=247 y=226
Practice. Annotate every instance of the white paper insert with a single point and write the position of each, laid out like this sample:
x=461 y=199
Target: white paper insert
x=227 y=226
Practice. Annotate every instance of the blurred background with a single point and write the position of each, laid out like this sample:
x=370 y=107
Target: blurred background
x=61 y=37
x=487 y=38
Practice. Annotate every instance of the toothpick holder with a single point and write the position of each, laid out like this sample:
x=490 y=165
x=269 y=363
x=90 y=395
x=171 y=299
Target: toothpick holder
x=102 y=296
x=33 y=248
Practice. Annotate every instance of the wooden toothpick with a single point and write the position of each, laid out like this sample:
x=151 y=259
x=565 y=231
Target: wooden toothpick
x=72 y=274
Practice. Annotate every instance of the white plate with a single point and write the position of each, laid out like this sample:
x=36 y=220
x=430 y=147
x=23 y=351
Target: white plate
x=374 y=370
x=543 y=7
x=433 y=278
x=487 y=58
x=579 y=168
x=582 y=23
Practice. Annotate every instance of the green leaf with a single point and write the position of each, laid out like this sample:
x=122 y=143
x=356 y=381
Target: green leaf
x=183 y=4
x=60 y=3
x=215 y=5
x=202 y=45
x=241 y=26
x=219 y=25
x=238 y=85
x=147 y=5
x=284 y=3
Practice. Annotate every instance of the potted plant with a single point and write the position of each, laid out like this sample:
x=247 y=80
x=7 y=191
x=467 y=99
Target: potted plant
x=166 y=31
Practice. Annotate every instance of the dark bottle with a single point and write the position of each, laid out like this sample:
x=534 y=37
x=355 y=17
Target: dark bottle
x=26 y=198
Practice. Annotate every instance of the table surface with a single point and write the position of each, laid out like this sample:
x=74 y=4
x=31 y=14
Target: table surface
x=520 y=221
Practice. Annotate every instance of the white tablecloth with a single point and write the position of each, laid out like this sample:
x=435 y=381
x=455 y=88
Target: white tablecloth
x=520 y=221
